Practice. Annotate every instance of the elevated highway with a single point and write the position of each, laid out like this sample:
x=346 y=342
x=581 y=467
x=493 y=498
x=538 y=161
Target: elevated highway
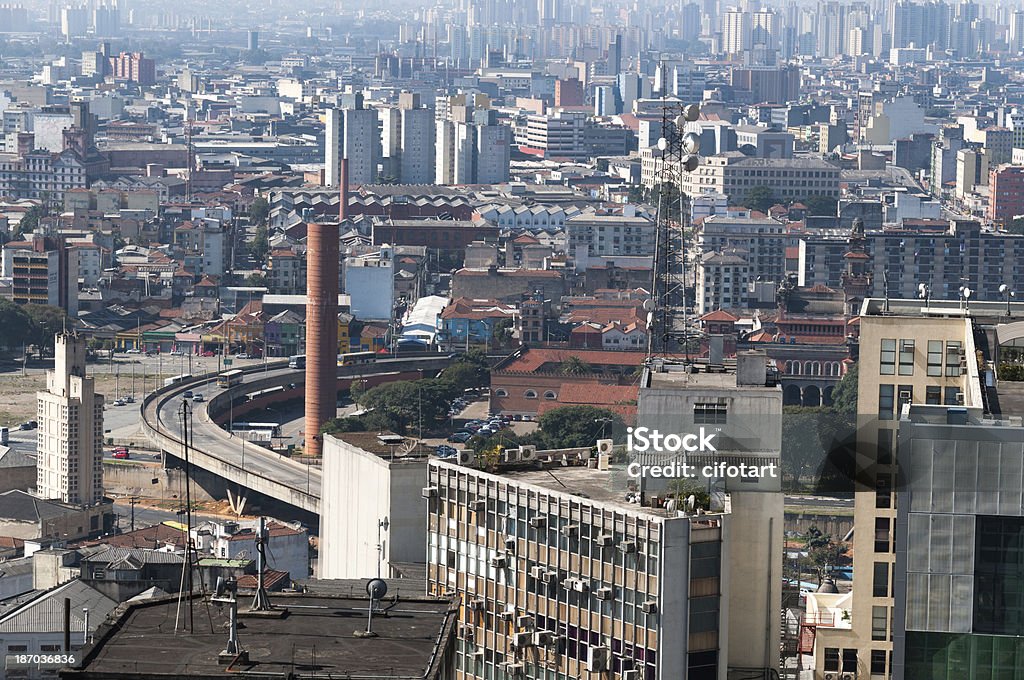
x=242 y=467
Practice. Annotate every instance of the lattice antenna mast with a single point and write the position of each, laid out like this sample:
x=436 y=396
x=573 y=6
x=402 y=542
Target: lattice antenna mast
x=677 y=148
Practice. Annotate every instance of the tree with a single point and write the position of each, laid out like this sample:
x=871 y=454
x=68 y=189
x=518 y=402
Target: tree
x=503 y=332
x=683 y=488
x=400 y=406
x=345 y=424
x=808 y=436
x=30 y=220
x=760 y=198
x=260 y=246
x=45 y=321
x=463 y=375
x=575 y=366
x=259 y=211
x=822 y=552
x=820 y=205
x=577 y=426
x=844 y=396
x=357 y=389
x=15 y=325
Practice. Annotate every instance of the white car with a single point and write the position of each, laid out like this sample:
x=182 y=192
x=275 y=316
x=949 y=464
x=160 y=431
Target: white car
x=242 y=356
x=134 y=351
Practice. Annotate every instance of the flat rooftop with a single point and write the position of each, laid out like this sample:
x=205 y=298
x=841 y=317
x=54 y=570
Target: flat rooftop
x=699 y=374
x=379 y=443
x=316 y=636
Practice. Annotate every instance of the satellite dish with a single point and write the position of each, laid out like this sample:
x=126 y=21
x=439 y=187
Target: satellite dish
x=680 y=121
x=377 y=588
x=690 y=163
x=662 y=144
x=691 y=112
x=648 y=305
x=691 y=143
x=1003 y=288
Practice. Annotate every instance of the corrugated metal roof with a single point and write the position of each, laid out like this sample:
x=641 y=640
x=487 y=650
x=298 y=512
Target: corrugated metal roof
x=45 y=614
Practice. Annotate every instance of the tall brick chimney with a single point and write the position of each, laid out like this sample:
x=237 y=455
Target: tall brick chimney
x=322 y=321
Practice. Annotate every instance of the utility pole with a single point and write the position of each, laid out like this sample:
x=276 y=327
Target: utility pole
x=132 y=502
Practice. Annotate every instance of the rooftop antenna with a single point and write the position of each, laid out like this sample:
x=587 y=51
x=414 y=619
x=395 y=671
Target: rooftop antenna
x=885 y=286
x=261 y=601
x=377 y=588
x=227 y=593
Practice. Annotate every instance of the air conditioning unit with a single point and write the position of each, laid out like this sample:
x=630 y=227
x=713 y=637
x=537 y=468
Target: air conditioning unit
x=848 y=676
x=538 y=522
x=513 y=667
x=571 y=530
x=580 y=586
x=524 y=621
x=905 y=395
x=467 y=457
x=521 y=640
x=830 y=676
x=507 y=615
x=429 y=492
x=543 y=638
x=510 y=456
x=478 y=605
x=604 y=593
x=549 y=577
x=537 y=572
x=605 y=446
x=631 y=674
x=628 y=546
x=598 y=659
x=499 y=562
x=960 y=398
x=527 y=454
x=649 y=607
x=467 y=632
x=478 y=505
x=605 y=540
x=510 y=544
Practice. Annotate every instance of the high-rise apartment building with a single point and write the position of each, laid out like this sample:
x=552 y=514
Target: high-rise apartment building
x=1005 y=193
x=416 y=141
x=353 y=134
x=908 y=355
x=70 y=435
x=44 y=271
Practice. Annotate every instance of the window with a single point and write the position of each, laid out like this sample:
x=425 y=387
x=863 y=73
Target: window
x=850 y=661
x=878 y=662
x=933 y=395
x=550 y=395
x=907 y=357
x=880 y=583
x=878 y=621
x=954 y=397
x=887 y=359
x=953 y=350
x=99 y=574
x=935 y=358
x=831 y=659
x=883 y=491
x=886 y=397
x=884 y=446
x=709 y=414
x=881 y=534
x=501 y=393
x=530 y=394
x=50 y=648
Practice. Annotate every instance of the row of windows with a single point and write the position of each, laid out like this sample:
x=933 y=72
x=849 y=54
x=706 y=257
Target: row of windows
x=528 y=394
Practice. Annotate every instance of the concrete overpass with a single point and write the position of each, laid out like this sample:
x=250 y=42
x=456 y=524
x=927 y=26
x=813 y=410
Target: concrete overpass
x=236 y=468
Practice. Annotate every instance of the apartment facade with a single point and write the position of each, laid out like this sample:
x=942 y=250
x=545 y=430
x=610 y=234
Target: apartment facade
x=558 y=585
x=70 y=435
x=907 y=356
x=606 y=235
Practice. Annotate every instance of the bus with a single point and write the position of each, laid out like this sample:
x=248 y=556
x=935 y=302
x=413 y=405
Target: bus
x=271 y=429
x=353 y=358
x=253 y=396
x=177 y=379
x=230 y=378
x=297 y=361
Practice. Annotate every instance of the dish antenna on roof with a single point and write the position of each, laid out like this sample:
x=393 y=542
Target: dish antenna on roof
x=377 y=588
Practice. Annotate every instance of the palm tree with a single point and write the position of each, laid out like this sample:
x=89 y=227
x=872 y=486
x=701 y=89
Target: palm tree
x=576 y=366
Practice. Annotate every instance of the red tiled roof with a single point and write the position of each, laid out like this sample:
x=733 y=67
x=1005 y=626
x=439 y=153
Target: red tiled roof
x=533 y=359
x=271 y=578
x=719 y=315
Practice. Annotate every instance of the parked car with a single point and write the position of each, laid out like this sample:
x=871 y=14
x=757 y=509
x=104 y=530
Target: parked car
x=243 y=355
x=121 y=452
x=207 y=354
x=177 y=353
x=128 y=399
x=460 y=437
x=445 y=451
x=134 y=351
x=119 y=402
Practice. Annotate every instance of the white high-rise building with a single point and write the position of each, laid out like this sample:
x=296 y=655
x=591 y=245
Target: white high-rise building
x=332 y=147
x=736 y=30
x=353 y=134
x=417 y=141
x=70 y=434
x=1016 y=36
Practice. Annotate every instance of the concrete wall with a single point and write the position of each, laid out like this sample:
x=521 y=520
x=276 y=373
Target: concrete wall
x=365 y=489
x=137 y=480
x=21 y=478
